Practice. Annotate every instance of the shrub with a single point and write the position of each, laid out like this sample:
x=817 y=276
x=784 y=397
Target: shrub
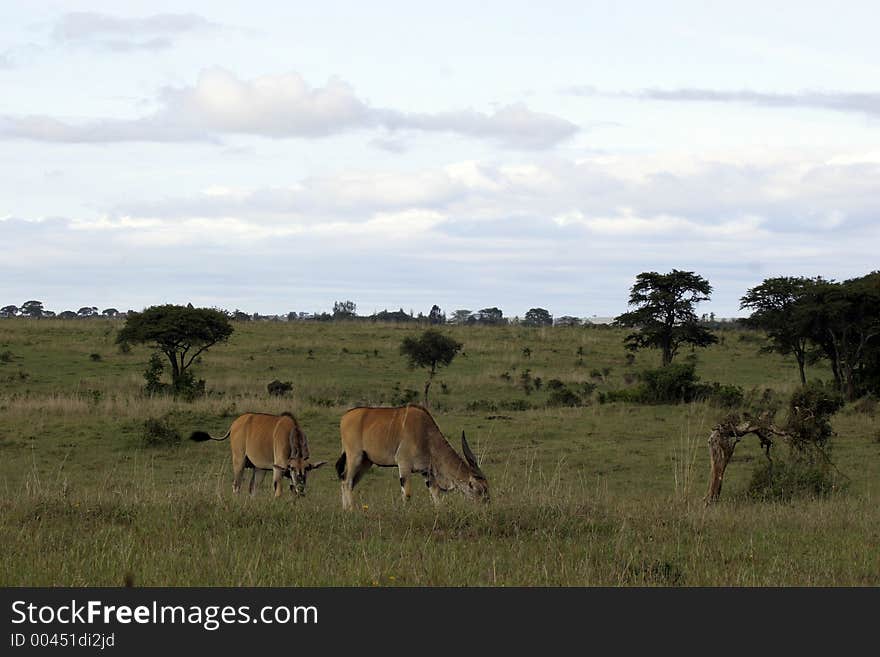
x=725 y=395
x=809 y=414
x=555 y=384
x=95 y=357
x=765 y=401
x=158 y=432
x=515 y=405
x=188 y=388
x=564 y=397
x=784 y=480
x=402 y=397
x=279 y=388
x=153 y=376
x=587 y=388
x=482 y=405
x=6 y=356
x=525 y=381
x=672 y=384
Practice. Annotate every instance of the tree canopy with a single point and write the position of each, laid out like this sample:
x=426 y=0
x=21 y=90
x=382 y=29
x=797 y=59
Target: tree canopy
x=538 y=317
x=665 y=316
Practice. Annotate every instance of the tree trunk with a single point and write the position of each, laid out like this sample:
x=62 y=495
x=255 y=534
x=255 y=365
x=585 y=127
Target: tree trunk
x=721 y=448
x=800 y=361
x=427 y=386
x=175 y=367
x=667 y=354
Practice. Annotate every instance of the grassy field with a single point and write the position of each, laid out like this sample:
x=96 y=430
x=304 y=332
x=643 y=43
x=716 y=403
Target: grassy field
x=604 y=494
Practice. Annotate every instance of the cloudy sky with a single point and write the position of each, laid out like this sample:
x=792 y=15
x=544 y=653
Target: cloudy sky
x=278 y=156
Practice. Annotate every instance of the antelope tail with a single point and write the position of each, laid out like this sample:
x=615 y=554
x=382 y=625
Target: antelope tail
x=201 y=436
x=340 y=466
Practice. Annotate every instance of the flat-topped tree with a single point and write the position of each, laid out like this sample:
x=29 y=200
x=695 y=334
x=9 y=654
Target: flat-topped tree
x=179 y=332
x=664 y=316
x=431 y=350
x=778 y=307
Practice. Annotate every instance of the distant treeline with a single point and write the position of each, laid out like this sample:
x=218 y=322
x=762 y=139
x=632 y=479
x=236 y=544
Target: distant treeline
x=347 y=311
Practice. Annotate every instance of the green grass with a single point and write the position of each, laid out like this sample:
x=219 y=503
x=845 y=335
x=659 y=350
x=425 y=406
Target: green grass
x=597 y=495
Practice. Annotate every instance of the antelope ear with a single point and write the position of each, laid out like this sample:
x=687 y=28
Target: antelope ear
x=315 y=466
x=469 y=455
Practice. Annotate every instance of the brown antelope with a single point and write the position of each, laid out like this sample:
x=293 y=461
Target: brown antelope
x=266 y=442
x=409 y=438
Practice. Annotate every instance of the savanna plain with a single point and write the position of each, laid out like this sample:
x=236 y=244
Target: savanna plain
x=598 y=494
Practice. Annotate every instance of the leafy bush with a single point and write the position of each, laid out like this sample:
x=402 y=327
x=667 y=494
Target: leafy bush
x=6 y=356
x=95 y=357
x=158 y=432
x=279 y=388
x=482 y=405
x=564 y=397
x=515 y=405
x=784 y=480
x=402 y=397
x=726 y=395
x=631 y=395
x=672 y=384
x=764 y=401
x=808 y=470
x=153 y=376
x=809 y=414
x=188 y=388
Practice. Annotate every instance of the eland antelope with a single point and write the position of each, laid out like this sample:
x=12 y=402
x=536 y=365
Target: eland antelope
x=406 y=437
x=266 y=442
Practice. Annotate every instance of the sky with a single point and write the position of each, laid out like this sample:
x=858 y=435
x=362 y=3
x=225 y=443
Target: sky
x=281 y=156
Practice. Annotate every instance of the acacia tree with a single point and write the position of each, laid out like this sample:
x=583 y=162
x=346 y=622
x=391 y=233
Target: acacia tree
x=844 y=321
x=777 y=308
x=431 y=350
x=538 y=317
x=461 y=317
x=32 y=308
x=664 y=316
x=436 y=315
x=182 y=333
x=344 y=310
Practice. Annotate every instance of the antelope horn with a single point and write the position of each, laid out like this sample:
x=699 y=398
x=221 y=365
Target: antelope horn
x=304 y=444
x=469 y=455
x=294 y=444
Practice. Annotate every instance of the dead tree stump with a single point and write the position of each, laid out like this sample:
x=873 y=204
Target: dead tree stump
x=723 y=440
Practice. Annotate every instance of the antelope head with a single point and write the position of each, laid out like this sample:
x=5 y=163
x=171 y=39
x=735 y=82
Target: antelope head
x=475 y=486
x=299 y=465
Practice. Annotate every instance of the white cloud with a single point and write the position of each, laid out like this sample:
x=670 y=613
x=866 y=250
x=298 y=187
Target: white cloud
x=542 y=232
x=867 y=103
x=285 y=106
x=115 y=33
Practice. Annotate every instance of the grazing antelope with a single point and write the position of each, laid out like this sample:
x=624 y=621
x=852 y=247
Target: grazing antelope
x=409 y=438
x=266 y=442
